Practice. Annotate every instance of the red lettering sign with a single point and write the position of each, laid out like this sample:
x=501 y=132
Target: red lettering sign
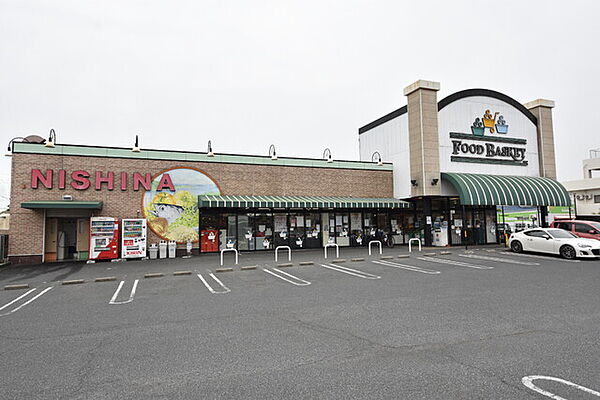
x=166 y=183
x=62 y=175
x=80 y=180
x=123 y=180
x=146 y=181
x=38 y=177
x=109 y=180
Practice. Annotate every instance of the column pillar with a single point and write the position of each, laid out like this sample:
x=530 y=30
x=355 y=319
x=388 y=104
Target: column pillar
x=542 y=109
x=423 y=137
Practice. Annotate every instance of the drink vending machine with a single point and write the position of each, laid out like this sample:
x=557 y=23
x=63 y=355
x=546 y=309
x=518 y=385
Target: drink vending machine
x=104 y=238
x=133 y=240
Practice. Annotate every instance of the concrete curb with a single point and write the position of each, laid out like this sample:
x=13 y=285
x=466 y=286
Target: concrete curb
x=224 y=270
x=339 y=260
x=357 y=259
x=307 y=263
x=154 y=275
x=248 y=267
x=428 y=254
x=106 y=279
x=445 y=253
x=179 y=273
x=285 y=265
x=72 y=282
x=16 y=287
x=403 y=256
x=386 y=257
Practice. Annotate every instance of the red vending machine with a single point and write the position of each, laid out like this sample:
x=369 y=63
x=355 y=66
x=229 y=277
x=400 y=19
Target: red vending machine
x=104 y=238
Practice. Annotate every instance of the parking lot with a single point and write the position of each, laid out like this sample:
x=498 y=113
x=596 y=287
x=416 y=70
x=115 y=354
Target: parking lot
x=482 y=323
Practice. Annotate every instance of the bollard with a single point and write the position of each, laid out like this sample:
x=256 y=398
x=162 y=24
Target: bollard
x=375 y=241
x=236 y=255
x=410 y=244
x=284 y=247
x=337 y=249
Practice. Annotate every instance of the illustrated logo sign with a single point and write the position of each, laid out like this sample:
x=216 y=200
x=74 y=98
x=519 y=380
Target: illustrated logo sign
x=496 y=149
x=172 y=209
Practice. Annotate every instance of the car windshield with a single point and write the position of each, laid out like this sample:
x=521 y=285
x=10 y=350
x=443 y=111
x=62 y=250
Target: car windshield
x=560 y=234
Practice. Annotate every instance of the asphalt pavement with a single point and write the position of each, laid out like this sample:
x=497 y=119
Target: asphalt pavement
x=425 y=325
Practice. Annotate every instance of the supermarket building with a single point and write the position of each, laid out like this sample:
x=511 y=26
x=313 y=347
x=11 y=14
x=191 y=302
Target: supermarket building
x=432 y=170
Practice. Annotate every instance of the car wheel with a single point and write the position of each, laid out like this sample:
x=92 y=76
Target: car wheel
x=516 y=246
x=568 y=252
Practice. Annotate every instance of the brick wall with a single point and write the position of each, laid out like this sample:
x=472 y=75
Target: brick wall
x=26 y=227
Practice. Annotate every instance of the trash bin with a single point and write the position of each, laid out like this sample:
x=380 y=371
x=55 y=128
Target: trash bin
x=172 y=248
x=162 y=249
x=153 y=250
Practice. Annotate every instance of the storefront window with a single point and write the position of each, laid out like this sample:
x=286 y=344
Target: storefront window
x=216 y=231
x=356 y=229
x=280 y=229
x=297 y=230
x=263 y=231
x=245 y=232
x=312 y=225
x=490 y=225
x=342 y=229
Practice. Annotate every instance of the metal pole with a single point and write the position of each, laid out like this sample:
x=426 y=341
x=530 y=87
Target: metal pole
x=504 y=222
x=464 y=232
x=575 y=205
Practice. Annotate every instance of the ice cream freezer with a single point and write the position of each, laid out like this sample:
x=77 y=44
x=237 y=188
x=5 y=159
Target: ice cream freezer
x=133 y=238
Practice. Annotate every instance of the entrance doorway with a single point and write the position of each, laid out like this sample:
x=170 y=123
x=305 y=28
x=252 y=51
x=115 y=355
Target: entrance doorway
x=66 y=239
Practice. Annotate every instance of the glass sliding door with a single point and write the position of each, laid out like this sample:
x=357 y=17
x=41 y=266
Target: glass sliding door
x=280 y=229
x=297 y=230
x=263 y=231
x=312 y=225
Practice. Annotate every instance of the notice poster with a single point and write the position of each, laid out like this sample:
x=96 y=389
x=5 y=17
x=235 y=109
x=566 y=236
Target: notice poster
x=338 y=220
x=261 y=228
x=280 y=223
x=308 y=223
x=345 y=219
x=293 y=222
x=458 y=223
x=300 y=221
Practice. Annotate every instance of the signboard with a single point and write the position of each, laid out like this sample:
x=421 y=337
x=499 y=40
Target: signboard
x=486 y=143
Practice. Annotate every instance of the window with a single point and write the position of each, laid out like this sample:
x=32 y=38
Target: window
x=560 y=234
x=597 y=198
x=540 y=234
x=582 y=228
x=567 y=226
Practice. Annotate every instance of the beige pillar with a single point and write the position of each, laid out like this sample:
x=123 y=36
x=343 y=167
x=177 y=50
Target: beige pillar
x=423 y=137
x=542 y=109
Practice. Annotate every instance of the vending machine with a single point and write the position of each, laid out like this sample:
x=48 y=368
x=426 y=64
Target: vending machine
x=133 y=238
x=104 y=238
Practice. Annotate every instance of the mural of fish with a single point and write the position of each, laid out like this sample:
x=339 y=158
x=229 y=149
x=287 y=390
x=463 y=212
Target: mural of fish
x=170 y=212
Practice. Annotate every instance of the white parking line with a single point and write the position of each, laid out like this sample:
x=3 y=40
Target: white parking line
x=24 y=304
x=549 y=257
x=350 y=271
x=131 y=295
x=528 y=381
x=406 y=267
x=225 y=288
x=300 y=282
x=502 y=260
x=452 y=262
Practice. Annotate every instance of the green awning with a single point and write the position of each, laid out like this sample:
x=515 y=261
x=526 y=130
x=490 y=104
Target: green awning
x=92 y=205
x=508 y=190
x=213 y=201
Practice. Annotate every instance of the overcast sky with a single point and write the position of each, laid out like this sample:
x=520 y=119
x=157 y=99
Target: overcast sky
x=302 y=75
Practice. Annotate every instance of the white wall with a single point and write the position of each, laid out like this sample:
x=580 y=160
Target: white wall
x=391 y=141
x=459 y=116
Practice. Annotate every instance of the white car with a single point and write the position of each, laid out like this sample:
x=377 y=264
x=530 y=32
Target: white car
x=554 y=241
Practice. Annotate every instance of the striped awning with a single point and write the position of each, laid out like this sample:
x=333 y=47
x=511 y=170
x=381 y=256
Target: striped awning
x=508 y=190
x=213 y=201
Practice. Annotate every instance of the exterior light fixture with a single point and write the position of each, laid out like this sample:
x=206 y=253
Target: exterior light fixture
x=379 y=162
x=434 y=181
x=210 y=152
x=11 y=145
x=272 y=152
x=51 y=139
x=414 y=182
x=136 y=146
x=327 y=155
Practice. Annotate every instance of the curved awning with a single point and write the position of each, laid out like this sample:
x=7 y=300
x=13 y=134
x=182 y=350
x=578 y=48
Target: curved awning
x=508 y=190
x=230 y=201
